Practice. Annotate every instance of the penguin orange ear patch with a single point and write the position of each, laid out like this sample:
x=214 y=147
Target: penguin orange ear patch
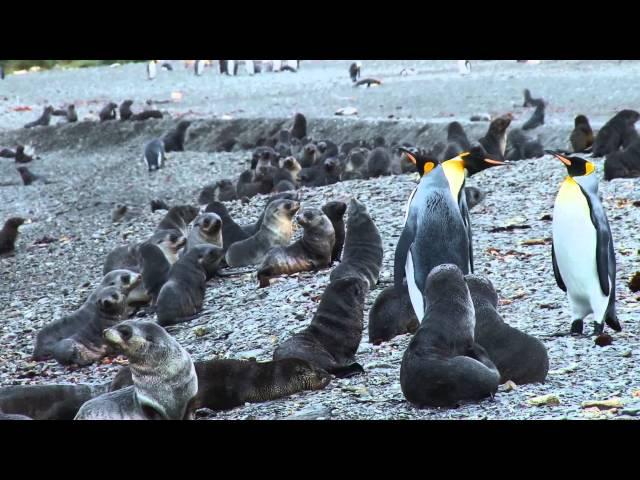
x=428 y=166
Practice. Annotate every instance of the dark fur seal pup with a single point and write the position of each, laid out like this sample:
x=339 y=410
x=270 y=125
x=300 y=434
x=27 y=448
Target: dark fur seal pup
x=225 y=384
x=288 y=171
x=231 y=231
x=250 y=184
x=164 y=377
x=181 y=297
x=325 y=173
x=519 y=357
x=368 y=82
x=72 y=116
x=51 y=334
x=611 y=136
x=146 y=115
x=43 y=120
x=178 y=218
x=311 y=252
x=174 y=139
x=379 y=162
x=443 y=365
x=9 y=234
x=457 y=141
x=354 y=71
x=537 y=118
x=332 y=338
x=125 y=110
x=474 y=196
x=29 y=178
x=206 y=229
x=495 y=140
x=521 y=147
x=275 y=231
x=310 y=156
x=223 y=190
x=391 y=315
x=158 y=204
x=265 y=153
x=23 y=155
x=154 y=268
x=581 y=137
x=362 y=255
x=108 y=112
x=335 y=212
x=299 y=128
x=623 y=164
x=48 y=402
x=529 y=101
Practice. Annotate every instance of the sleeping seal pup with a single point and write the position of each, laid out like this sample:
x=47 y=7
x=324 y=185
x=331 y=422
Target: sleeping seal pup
x=164 y=377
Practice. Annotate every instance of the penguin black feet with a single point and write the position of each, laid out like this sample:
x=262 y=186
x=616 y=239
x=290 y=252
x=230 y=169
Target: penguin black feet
x=614 y=324
x=577 y=327
x=598 y=328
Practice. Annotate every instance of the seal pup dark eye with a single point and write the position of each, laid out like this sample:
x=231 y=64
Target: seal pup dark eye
x=125 y=279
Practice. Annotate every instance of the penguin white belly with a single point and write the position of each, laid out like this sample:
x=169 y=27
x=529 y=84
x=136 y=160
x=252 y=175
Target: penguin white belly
x=574 y=243
x=417 y=300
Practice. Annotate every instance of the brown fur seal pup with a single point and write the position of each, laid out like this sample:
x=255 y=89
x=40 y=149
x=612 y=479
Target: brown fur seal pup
x=158 y=204
x=174 y=139
x=251 y=184
x=521 y=147
x=181 y=297
x=231 y=231
x=288 y=171
x=207 y=229
x=332 y=338
x=519 y=357
x=72 y=116
x=611 y=136
x=48 y=402
x=356 y=164
x=275 y=231
x=164 y=377
x=335 y=212
x=325 y=173
x=354 y=71
x=51 y=334
x=108 y=112
x=299 y=129
x=43 y=120
x=225 y=384
x=537 y=118
x=581 y=137
x=146 y=115
x=177 y=218
x=362 y=255
x=378 y=163
x=474 y=196
x=221 y=191
x=309 y=157
x=311 y=252
x=252 y=228
x=9 y=234
x=495 y=140
x=443 y=365
x=391 y=315
x=623 y=164
x=154 y=268
x=125 y=110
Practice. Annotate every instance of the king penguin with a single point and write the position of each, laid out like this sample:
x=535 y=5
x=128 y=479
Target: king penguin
x=198 y=67
x=582 y=253
x=151 y=69
x=154 y=154
x=464 y=67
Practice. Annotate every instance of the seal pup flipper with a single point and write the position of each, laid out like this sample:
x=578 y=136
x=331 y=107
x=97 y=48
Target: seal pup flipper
x=348 y=370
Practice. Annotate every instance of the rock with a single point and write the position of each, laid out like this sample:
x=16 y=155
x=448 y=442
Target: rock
x=550 y=399
x=603 y=404
x=313 y=412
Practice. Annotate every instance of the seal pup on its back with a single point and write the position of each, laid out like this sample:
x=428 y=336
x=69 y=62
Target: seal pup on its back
x=443 y=365
x=495 y=140
x=9 y=234
x=335 y=212
x=164 y=377
x=519 y=357
x=275 y=231
x=311 y=252
x=174 y=139
x=581 y=137
x=43 y=120
x=332 y=338
x=362 y=256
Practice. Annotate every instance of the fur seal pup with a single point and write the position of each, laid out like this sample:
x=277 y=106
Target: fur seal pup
x=252 y=228
x=51 y=334
x=206 y=229
x=310 y=156
x=223 y=190
x=125 y=110
x=48 y=402
x=495 y=140
x=623 y=164
x=225 y=384
x=581 y=137
x=108 y=112
x=519 y=357
x=474 y=196
x=231 y=231
x=457 y=141
x=178 y=218
x=311 y=252
x=391 y=315
x=146 y=115
x=288 y=171
x=325 y=173
x=9 y=234
x=29 y=178
x=378 y=163
x=23 y=154
x=611 y=136
x=332 y=338
x=250 y=184
x=154 y=269
x=521 y=147
x=164 y=377
x=72 y=116
x=368 y=82
x=275 y=231
x=43 y=120
x=299 y=128
x=181 y=297
x=158 y=204
x=362 y=256
x=443 y=364
x=537 y=118
x=335 y=212
x=174 y=139
x=356 y=164
x=354 y=71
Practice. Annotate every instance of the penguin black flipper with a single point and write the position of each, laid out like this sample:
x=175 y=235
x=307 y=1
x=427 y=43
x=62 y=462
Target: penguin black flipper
x=603 y=239
x=464 y=211
x=402 y=250
x=556 y=271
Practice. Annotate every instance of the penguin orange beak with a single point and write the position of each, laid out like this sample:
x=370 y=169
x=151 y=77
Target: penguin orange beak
x=491 y=161
x=564 y=160
x=409 y=155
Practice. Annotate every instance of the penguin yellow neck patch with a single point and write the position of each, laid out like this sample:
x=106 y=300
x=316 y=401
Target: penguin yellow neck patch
x=570 y=193
x=454 y=171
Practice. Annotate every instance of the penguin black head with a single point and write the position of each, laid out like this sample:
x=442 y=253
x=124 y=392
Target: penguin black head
x=576 y=166
x=424 y=164
x=476 y=160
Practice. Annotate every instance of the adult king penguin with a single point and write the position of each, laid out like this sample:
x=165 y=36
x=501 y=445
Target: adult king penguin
x=584 y=262
x=152 y=69
x=198 y=67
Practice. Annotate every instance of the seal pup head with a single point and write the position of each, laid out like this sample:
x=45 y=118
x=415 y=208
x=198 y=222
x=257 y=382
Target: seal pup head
x=446 y=290
x=209 y=223
x=302 y=375
x=170 y=242
x=124 y=280
x=482 y=290
x=13 y=223
x=281 y=211
x=118 y=212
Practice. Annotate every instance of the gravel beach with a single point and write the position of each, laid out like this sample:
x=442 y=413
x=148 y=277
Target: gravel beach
x=93 y=166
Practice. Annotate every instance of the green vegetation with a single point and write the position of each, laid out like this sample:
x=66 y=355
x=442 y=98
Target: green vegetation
x=11 y=65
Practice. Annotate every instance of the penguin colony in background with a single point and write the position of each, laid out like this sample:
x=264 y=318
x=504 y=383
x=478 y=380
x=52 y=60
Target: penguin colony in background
x=461 y=349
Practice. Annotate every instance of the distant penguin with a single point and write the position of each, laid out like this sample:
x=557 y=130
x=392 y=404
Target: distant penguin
x=167 y=66
x=152 y=69
x=354 y=71
x=198 y=67
x=1 y=72
x=464 y=67
x=582 y=252
x=154 y=155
